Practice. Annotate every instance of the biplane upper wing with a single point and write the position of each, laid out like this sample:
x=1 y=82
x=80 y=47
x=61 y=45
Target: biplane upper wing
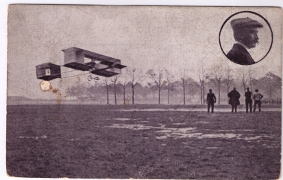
x=74 y=58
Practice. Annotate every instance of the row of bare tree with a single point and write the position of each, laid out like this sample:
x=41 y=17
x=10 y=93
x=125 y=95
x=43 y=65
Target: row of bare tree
x=157 y=82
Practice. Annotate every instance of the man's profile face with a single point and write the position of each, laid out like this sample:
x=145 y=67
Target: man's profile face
x=250 y=38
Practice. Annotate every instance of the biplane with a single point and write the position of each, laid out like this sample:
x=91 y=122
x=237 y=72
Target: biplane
x=83 y=60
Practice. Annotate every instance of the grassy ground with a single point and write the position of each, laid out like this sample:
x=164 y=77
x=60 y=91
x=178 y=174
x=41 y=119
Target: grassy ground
x=103 y=142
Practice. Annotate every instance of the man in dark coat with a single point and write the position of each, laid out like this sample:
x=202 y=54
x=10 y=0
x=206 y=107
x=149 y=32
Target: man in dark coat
x=245 y=34
x=210 y=99
x=249 y=100
x=238 y=54
x=234 y=96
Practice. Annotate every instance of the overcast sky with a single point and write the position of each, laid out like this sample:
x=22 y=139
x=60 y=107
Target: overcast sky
x=146 y=37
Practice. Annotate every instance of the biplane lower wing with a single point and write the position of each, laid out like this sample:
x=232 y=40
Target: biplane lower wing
x=77 y=66
x=119 y=66
x=106 y=72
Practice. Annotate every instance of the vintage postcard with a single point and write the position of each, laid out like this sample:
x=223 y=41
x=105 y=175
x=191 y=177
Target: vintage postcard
x=144 y=92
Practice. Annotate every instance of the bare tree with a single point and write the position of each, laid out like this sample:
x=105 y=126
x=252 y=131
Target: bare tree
x=228 y=78
x=105 y=83
x=114 y=80
x=124 y=92
x=192 y=87
x=203 y=76
x=184 y=84
x=124 y=79
x=134 y=75
x=250 y=78
x=217 y=74
x=157 y=78
x=169 y=82
x=273 y=83
x=188 y=87
x=244 y=78
x=133 y=83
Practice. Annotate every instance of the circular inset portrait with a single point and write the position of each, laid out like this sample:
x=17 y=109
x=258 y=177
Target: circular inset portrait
x=245 y=38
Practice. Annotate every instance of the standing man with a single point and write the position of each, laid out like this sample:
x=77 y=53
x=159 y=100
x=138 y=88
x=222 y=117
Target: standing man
x=234 y=96
x=249 y=100
x=211 y=99
x=257 y=98
x=245 y=34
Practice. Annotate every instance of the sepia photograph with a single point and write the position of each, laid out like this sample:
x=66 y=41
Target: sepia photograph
x=143 y=92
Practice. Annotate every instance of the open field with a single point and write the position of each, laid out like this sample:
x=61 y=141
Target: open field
x=139 y=142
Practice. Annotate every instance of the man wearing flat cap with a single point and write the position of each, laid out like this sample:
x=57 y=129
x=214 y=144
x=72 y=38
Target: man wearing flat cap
x=245 y=35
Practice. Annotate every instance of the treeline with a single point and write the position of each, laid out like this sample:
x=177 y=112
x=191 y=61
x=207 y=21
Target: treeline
x=162 y=87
